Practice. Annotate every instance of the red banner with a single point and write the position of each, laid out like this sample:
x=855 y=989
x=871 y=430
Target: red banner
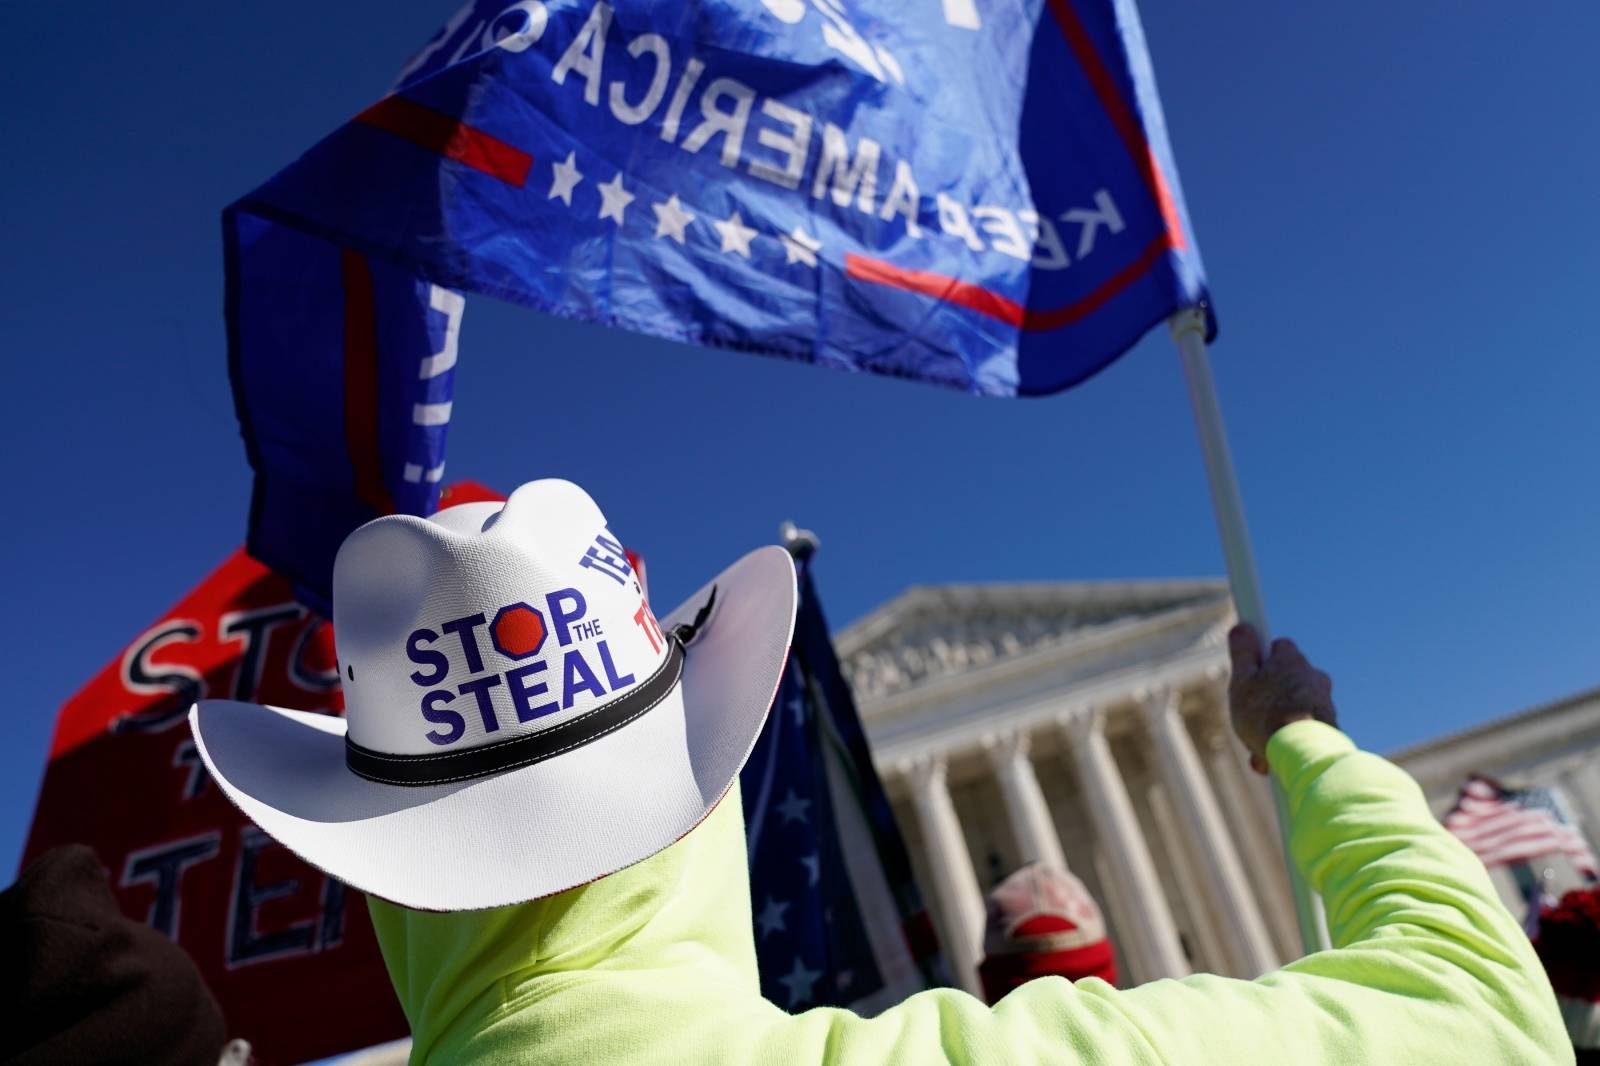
x=288 y=951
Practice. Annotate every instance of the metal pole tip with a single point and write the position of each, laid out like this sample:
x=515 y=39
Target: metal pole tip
x=800 y=542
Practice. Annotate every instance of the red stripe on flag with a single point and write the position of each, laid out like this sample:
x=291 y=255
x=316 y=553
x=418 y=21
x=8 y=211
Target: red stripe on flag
x=449 y=137
x=1057 y=317
x=940 y=287
x=1122 y=116
x=1499 y=829
x=361 y=382
x=1524 y=835
x=975 y=298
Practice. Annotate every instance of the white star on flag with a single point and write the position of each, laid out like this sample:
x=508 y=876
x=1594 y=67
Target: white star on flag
x=614 y=199
x=800 y=247
x=771 y=917
x=735 y=234
x=671 y=218
x=799 y=982
x=793 y=808
x=810 y=862
x=565 y=179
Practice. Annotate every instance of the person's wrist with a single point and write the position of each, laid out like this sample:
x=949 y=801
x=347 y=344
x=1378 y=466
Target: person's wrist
x=1304 y=742
x=1258 y=752
x=1282 y=720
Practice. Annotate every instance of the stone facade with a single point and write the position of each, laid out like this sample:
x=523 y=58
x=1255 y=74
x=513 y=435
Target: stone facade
x=1081 y=723
x=1085 y=723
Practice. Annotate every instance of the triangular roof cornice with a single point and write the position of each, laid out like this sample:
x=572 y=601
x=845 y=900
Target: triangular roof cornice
x=1534 y=735
x=932 y=641
x=918 y=601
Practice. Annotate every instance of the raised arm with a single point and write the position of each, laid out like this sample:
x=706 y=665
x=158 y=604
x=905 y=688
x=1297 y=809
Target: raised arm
x=656 y=963
x=1427 y=964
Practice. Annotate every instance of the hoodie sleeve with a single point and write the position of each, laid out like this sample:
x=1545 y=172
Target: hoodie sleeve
x=655 y=964
x=1427 y=965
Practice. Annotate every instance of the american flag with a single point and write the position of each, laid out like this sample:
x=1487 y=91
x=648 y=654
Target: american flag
x=1506 y=825
x=838 y=918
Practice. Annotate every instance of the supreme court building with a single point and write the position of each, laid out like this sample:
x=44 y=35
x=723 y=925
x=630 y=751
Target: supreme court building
x=1085 y=723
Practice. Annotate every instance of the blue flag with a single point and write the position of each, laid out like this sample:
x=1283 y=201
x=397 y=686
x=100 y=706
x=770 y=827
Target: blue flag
x=978 y=195
x=342 y=368
x=838 y=918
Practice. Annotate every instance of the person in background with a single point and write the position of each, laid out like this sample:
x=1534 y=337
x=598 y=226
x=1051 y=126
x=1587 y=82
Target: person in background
x=81 y=982
x=1568 y=943
x=1042 y=922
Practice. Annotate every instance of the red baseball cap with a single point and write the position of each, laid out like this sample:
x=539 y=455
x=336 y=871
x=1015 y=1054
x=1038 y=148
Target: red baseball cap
x=1042 y=922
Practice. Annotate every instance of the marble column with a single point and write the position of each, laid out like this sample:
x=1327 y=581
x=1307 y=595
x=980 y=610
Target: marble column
x=1210 y=946
x=954 y=883
x=1031 y=824
x=1154 y=934
x=1246 y=800
x=1196 y=804
x=1132 y=966
x=1258 y=787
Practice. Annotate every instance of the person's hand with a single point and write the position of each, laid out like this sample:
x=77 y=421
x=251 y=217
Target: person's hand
x=1268 y=691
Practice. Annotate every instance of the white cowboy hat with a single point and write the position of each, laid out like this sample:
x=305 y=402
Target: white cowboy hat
x=516 y=721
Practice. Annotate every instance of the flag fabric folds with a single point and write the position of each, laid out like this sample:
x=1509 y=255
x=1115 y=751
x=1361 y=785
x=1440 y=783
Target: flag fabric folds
x=1507 y=825
x=981 y=196
x=838 y=918
x=343 y=370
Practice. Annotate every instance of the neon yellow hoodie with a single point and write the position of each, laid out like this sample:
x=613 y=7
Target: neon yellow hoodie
x=657 y=964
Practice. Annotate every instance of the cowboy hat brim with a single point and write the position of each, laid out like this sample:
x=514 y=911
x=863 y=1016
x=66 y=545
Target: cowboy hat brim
x=535 y=831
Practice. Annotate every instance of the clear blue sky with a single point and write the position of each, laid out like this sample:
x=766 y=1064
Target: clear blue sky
x=1396 y=206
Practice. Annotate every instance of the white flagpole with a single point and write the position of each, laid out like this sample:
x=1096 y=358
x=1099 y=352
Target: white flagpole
x=1189 y=333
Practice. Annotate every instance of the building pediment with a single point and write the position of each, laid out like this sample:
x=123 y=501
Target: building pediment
x=933 y=632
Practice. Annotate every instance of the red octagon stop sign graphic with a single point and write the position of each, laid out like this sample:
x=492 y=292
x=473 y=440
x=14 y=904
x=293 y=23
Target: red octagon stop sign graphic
x=518 y=631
